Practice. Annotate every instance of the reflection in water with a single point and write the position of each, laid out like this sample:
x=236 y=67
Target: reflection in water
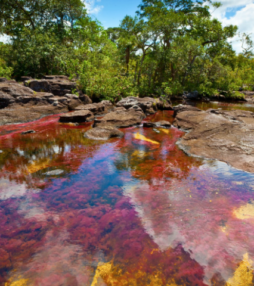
x=243 y=274
x=223 y=105
x=245 y=211
x=131 y=211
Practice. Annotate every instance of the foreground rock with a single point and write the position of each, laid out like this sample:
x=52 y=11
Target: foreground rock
x=10 y=92
x=103 y=133
x=21 y=104
x=224 y=135
x=147 y=104
x=120 y=119
x=19 y=114
x=77 y=117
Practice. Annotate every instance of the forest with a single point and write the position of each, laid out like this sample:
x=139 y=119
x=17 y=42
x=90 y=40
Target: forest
x=167 y=48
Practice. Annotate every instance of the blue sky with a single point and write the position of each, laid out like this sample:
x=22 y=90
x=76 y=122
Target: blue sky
x=111 y=12
x=235 y=12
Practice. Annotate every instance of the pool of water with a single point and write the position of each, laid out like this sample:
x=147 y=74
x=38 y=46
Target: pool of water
x=126 y=212
x=224 y=105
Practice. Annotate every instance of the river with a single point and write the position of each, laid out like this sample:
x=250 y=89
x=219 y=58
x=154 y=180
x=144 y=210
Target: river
x=125 y=212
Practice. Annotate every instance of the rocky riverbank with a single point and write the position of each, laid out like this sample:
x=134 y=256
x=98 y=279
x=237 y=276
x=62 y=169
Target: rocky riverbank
x=218 y=134
x=53 y=95
x=224 y=135
x=36 y=98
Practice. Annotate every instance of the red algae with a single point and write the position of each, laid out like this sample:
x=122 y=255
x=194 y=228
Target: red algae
x=124 y=212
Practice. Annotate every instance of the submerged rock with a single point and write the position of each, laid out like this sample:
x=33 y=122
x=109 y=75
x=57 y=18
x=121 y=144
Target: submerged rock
x=103 y=133
x=149 y=124
x=77 y=116
x=162 y=123
x=54 y=173
x=28 y=132
x=224 y=135
x=120 y=119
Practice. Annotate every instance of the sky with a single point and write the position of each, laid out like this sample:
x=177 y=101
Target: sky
x=236 y=12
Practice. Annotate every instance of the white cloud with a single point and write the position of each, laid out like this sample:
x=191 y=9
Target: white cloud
x=243 y=18
x=4 y=38
x=92 y=6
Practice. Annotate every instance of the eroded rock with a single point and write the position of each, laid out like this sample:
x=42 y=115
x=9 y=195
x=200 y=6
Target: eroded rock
x=224 y=135
x=17 y=113
x=162 y=123
x=56 y=85
x=103 y=133
x=96 y=108
x=180 y=108
x=11 y=91
x=147 y=104
x=121 y=108
x=57 y=172
x=19 y=103
x=120 y=119
x=77 y=116
x=85 y=99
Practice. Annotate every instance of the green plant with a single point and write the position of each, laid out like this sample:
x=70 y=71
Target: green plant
x=5 y=71
x=74 y=91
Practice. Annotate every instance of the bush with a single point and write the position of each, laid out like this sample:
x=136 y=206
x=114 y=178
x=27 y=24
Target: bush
x=4 y=70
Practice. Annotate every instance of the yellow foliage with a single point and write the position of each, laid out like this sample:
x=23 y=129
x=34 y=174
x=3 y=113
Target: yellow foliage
x=139 y=136
x=243 y=275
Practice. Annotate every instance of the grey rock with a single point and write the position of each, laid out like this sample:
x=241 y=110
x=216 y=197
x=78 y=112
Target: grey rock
x=77 y=116
x=54 y=173
x=103 y=133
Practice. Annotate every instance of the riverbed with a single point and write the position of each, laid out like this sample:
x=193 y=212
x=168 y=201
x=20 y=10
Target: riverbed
x=132 y=211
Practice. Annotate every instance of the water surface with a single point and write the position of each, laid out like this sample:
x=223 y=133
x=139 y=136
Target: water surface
x=133 y=211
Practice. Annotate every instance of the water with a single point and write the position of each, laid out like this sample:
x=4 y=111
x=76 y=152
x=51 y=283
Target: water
x=133 y=211
x=224 y=105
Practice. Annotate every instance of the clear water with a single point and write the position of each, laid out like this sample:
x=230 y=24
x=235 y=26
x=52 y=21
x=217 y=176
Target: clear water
x=133 y=211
